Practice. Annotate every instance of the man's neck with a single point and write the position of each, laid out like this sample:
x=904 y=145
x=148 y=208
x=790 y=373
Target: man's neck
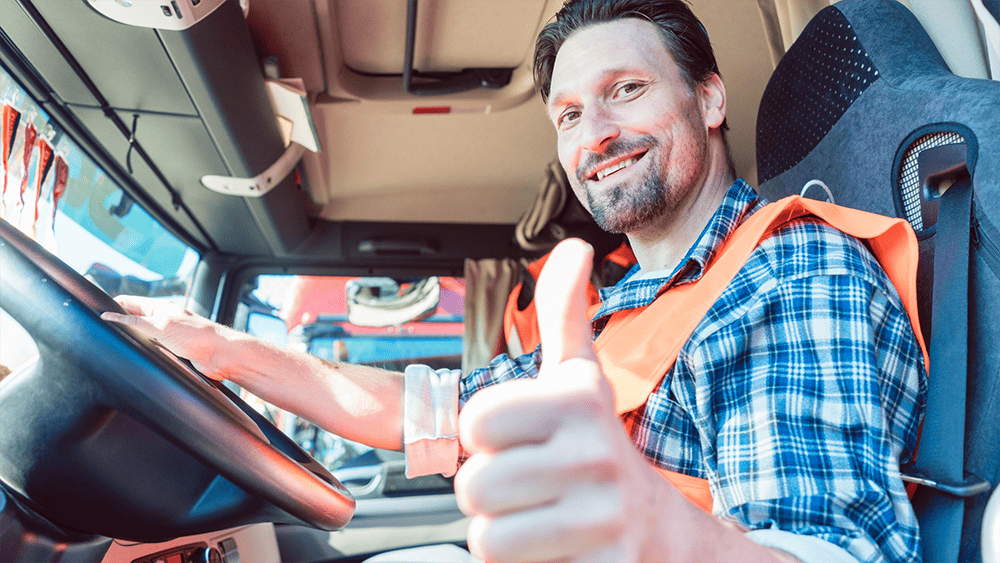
x=662 y=244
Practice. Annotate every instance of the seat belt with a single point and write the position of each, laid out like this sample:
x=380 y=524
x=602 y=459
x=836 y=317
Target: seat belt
x=940 y=460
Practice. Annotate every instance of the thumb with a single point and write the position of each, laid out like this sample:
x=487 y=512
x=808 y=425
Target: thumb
x=561 y=303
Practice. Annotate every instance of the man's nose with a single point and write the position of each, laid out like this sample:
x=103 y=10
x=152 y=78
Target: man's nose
x=599 y=129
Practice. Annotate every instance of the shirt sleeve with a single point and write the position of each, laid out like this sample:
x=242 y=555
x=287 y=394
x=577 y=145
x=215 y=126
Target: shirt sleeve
x=502 y=368
x=431 y=401
x=812 y=399
x=808 y=549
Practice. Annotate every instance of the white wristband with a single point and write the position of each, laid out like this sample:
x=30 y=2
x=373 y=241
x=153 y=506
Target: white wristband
x=430 y=420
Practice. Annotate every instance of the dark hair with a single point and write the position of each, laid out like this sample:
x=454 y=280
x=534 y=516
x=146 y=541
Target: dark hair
x=682 y=33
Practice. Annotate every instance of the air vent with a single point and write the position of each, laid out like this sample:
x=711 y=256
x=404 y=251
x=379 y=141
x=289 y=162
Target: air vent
x=399 y=247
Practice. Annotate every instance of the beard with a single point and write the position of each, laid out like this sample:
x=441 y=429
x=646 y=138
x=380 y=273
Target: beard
x=627 y=207
x=630 y=206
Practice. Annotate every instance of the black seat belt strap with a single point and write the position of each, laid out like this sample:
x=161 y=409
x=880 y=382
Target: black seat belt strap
x=942 y=443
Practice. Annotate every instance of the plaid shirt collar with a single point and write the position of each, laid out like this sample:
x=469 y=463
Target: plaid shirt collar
x=739 y=202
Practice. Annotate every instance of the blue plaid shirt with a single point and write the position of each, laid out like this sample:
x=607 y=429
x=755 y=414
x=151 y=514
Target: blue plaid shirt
x=798 y=395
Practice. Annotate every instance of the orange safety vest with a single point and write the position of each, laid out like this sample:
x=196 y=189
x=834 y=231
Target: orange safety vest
x=525 y=321
x=638 y=347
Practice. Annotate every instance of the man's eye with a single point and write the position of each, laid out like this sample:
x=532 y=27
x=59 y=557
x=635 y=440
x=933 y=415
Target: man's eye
x=627 y=88
x=568 y=118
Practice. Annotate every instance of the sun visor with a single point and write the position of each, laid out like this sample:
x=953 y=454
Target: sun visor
x=457 y=56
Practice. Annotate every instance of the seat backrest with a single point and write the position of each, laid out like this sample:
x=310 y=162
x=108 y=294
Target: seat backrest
x=846 y=116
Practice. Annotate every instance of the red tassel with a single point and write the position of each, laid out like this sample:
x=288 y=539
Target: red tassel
x=11 y=117
x=29 y=145
x=59 y=187
x=45 y=154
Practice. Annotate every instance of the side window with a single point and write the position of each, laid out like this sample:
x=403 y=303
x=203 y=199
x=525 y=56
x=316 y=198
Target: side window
x=58 y=196
x=381 y=322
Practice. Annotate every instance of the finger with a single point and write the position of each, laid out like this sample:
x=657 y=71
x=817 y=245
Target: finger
x=495 y=484
x=504 y=415
x=525 y=411
x=133 y=305
x=561 y=302
x=581 y=523
x=530 y=477
x=616 y=551
x=134 y=321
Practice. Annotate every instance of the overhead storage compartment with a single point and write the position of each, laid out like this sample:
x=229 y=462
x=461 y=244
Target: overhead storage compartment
x=202 y=105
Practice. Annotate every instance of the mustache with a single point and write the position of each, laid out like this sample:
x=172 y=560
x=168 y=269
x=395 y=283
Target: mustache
x=615 y=149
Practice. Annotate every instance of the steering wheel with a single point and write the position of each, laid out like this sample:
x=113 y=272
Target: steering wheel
x=97 y=382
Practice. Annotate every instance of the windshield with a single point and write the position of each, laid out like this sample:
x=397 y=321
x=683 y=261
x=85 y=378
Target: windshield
x=313 y=313
x=57 y=195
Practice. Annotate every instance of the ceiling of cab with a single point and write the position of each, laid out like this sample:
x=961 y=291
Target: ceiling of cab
x=451 y=35
x=481 y=162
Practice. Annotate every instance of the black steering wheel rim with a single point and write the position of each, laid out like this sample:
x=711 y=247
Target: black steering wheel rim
x=61 y=310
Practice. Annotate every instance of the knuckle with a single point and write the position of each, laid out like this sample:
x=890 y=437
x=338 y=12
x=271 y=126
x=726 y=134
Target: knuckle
x=469 y=488
x=588 y=401
x=586 y=447
x=597 y=455
x=603 y=519
x=587 y=395
x=483 y=541
x=470 y=500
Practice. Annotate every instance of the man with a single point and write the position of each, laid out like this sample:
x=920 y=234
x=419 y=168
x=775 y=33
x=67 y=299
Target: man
x=796 y=397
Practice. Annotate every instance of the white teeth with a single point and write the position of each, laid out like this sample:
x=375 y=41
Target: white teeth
x=615 y=167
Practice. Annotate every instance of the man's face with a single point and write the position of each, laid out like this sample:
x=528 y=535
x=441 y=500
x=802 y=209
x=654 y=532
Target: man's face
x=631 y=132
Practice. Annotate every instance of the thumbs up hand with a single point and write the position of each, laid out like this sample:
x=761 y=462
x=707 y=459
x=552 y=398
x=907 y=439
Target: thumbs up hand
x=553 y=475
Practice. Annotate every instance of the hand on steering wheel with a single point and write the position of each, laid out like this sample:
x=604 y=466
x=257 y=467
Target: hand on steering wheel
x=89 y=370
x=186 y=334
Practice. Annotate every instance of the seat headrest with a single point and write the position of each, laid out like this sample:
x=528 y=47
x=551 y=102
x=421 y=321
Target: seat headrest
x=855 y=100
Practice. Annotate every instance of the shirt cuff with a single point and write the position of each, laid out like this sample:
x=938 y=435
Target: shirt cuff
x=430 y=421
x=808 y=549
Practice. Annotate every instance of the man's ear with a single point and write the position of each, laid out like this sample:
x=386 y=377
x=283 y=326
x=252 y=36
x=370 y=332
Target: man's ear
x=713 y=101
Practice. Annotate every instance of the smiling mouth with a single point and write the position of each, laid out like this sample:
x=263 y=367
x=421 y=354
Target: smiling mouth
x=620 y=165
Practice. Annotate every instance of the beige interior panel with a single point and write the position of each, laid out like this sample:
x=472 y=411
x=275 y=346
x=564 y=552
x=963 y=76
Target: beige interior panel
x=952 y=25
x=381 y=162
x=491 y=204
x=476 y=167
x=450 y=36
x=956 y=34
x=744 y=59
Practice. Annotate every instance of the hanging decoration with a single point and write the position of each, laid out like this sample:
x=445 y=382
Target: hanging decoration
x=45 y=154
x=11 y=117
x=30 y=133
x=59 y=187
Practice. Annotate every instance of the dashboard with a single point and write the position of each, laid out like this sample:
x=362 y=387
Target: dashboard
x=255 y=543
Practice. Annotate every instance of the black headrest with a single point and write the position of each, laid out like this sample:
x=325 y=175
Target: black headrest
x=856 y=99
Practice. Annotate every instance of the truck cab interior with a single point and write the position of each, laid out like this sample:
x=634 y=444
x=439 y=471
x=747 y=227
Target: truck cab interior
x=366 y=181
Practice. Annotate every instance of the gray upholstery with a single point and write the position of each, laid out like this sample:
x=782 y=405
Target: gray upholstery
x=912 y=88
x=853 y=103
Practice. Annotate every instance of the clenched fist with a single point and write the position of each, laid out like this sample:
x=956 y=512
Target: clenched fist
x=553 y=475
